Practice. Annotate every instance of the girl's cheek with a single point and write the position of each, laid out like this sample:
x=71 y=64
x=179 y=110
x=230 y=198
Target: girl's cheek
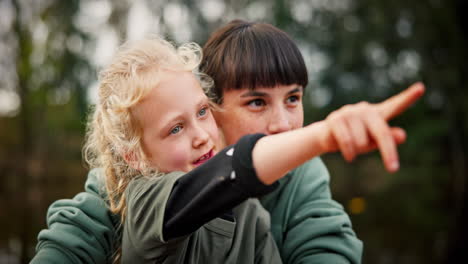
x=216 y=135
x=179 y=159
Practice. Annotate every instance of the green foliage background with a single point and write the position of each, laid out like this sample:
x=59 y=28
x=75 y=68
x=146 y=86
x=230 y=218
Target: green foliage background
x=355 y=50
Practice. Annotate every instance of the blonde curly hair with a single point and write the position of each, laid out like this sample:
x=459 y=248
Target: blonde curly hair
x=113 y=137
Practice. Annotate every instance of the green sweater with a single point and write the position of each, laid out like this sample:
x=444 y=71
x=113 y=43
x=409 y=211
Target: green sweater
x=307 y=225
x=247 y=239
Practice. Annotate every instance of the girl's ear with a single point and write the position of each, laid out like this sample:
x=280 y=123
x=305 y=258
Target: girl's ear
x=132 y=160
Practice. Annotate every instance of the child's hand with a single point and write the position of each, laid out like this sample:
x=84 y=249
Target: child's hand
x=362 y=127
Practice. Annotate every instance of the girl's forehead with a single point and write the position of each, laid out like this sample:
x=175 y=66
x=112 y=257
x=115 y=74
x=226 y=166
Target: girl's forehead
x=175 y=96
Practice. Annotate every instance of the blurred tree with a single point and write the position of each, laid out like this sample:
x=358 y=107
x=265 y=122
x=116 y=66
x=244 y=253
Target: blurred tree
x=355 y=50
x=458 y=244
x=52 y=77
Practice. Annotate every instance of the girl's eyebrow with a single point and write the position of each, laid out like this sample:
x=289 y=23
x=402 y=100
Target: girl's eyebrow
x=167 y=123
x=203 y=101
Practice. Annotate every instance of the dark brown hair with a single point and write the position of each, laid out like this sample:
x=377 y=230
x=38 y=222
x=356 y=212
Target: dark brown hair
x=249 y=55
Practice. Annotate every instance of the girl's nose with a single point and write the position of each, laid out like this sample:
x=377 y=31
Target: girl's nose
x=200 y=137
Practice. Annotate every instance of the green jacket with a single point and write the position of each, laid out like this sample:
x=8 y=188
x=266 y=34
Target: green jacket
x=307 y=225
x=247 y=239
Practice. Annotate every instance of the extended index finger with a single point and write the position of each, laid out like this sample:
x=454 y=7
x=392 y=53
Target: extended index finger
x=396 y=104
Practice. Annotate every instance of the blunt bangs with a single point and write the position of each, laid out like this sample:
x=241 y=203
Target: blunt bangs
x=250 y=55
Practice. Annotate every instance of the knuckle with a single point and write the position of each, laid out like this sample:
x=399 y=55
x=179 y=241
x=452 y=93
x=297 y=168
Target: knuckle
x=364 y=107
x=333 y=116
x=346 y=107
x=363 y=104
x=345 y=112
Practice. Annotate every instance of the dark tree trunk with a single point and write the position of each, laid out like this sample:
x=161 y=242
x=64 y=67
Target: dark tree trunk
x=22 y=171
x=458 y=237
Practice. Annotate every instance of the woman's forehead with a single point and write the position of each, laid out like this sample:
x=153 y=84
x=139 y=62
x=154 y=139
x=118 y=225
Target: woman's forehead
x=279 y=90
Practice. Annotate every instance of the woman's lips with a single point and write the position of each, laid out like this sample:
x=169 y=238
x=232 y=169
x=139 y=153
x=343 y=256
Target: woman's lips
x=204 y=158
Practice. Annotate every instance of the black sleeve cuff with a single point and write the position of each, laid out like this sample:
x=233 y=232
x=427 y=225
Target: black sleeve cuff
x=244 y=170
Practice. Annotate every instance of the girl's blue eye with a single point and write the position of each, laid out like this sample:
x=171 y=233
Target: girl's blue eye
x=176 y=129
x=203 y=111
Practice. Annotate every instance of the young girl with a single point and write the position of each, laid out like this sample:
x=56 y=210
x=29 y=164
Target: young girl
x=182 y=198
x=151 y=126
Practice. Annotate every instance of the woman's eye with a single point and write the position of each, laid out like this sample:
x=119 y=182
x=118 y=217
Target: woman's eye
x=256 y=103
x=293 y=99
x=176 y=129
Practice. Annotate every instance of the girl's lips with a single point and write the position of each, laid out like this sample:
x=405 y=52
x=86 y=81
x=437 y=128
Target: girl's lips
x=204 y=158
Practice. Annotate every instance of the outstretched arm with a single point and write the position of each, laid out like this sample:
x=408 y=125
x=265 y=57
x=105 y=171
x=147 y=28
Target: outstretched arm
x=308 y=226
x=353 y=129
